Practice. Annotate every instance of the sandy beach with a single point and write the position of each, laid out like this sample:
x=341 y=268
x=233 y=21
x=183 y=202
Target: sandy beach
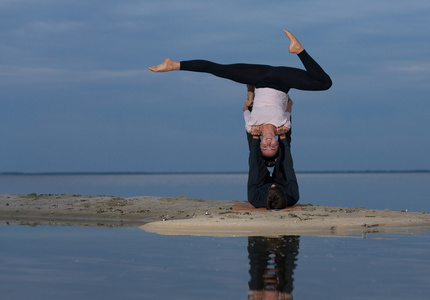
x=183 y=215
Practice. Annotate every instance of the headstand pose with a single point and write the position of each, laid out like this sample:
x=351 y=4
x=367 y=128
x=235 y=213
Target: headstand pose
x=262 y=76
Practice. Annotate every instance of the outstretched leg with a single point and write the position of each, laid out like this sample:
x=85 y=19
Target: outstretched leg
x=313 y=79
x=280 y=78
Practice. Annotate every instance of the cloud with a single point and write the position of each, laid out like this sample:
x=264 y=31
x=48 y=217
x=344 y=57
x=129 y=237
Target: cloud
x=411 y=68
x=19 y=75
x=49 y=27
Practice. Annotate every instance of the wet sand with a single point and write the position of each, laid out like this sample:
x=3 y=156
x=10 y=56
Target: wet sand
x=187 y=216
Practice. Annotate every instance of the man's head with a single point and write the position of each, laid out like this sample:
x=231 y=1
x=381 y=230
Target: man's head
x=275 y=198
x=269 y=146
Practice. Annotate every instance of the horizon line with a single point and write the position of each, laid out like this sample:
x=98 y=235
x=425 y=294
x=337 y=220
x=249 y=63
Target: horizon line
x=207 y=172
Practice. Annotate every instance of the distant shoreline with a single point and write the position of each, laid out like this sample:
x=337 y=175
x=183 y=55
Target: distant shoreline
x=207 y=173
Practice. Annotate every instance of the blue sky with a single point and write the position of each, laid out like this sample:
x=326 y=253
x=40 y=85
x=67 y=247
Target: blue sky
x=76 y=94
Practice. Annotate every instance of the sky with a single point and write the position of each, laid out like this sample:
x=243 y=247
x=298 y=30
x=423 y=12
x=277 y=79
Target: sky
x=76 y=94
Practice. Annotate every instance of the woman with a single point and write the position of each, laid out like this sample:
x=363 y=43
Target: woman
x=267 y=113
x=281 y=79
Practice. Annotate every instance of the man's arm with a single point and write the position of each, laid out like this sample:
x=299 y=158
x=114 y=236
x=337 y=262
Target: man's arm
x=254 y=187
x=291 y=188
x=247 y=107
x=249 y=138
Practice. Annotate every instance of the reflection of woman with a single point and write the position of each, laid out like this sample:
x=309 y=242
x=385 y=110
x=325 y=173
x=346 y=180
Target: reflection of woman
x=279 y=78
x=272 y=264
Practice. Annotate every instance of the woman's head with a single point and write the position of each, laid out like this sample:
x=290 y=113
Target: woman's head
x=269 y=147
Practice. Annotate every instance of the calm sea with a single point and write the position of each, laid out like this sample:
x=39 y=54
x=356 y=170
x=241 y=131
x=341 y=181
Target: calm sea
x=58 y=262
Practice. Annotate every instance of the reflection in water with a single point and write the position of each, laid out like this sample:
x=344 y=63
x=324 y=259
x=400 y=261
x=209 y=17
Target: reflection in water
x=272 y=263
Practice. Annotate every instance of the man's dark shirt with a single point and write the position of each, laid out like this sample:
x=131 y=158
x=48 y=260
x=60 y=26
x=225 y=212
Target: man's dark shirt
x=259 y=179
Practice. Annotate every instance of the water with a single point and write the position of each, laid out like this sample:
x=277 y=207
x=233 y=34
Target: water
x=47 y=262
x=127 y=263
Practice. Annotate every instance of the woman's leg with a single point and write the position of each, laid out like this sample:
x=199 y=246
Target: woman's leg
x=280 y=78
x=312 y=79
x=242 y=73
x=251 y=74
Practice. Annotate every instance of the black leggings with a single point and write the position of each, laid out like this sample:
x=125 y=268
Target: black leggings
x=279 y=78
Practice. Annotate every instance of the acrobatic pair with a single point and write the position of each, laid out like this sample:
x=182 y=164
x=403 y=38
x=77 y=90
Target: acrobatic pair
x=268 y=118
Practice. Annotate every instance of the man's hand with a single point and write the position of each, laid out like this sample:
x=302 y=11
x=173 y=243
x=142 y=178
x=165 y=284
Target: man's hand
x=256 y=130
x=289 y=107
x=248 y=103
x=250 y=97
x=282 y=130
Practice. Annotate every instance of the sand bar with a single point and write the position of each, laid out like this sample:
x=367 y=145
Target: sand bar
x=187 y=216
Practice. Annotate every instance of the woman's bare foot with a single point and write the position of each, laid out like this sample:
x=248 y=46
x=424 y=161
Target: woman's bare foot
x=295 y=46
x=166 y=66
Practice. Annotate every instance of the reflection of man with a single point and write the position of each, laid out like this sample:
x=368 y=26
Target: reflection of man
x=272 y=264
x=281 y=189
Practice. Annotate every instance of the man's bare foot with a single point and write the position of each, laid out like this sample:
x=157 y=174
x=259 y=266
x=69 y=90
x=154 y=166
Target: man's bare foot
x=295 y=46
x=166 y=66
